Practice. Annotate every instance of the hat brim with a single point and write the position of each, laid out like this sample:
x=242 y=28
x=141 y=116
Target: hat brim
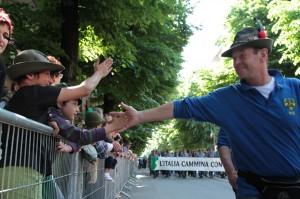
x=259 y=43
x=23 y=68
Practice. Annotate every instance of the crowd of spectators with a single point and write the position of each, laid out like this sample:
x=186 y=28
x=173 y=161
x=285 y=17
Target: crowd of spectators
x=31 y=87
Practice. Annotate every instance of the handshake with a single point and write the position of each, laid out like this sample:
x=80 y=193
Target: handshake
x=121 y=121
x=115 y=122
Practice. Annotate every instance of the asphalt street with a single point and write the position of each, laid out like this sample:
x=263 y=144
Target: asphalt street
x=178 y=188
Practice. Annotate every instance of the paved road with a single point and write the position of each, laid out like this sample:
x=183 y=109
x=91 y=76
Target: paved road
x=178 y=188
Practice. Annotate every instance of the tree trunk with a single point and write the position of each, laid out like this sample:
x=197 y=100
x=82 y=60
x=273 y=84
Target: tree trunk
x=109 y=103
x=70 y=37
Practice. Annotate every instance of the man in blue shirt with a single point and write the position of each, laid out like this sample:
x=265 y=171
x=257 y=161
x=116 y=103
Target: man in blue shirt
x=260 y=115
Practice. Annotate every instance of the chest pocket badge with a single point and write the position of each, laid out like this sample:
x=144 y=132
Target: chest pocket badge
x=290 y=104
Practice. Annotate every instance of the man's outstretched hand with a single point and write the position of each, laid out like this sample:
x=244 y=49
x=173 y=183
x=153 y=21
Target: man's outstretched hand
x=115 y=123
x=132 y=115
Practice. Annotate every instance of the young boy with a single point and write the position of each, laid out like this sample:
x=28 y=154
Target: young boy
x=94 y=120
x=62 y=120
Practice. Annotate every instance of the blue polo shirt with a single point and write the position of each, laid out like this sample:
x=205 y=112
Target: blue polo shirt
x=263 y=133
x=222 y=139
x=245 y=190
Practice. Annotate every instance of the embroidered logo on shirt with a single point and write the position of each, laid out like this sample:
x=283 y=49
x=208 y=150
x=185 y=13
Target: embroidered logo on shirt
x=290 y=104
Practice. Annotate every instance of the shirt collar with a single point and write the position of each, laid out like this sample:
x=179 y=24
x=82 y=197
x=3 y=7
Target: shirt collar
x=272 y=72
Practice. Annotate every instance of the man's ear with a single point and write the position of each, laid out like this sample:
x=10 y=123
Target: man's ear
x=265 y=52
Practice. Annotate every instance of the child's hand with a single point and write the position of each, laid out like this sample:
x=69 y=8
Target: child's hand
x=55 y=128
x=116 y=146
x=64 y=148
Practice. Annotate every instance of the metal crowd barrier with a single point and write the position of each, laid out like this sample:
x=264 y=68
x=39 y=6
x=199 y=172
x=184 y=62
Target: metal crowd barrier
x=30 y=167
x=123 y=176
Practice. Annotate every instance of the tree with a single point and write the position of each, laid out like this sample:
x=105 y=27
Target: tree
x=145 y=39
x=70 y=36
x=242 y=15
x=286 y=18
x=165 y=137
x=281 y=20
x=197 y=135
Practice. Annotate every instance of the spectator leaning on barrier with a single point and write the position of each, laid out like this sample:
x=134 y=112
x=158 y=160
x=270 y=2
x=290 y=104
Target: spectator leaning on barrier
x=94 y=120
x=94 y=123
x=79 y=137
x=62 y=121
x=31 y=71
x=64 y=117
x=260 y=116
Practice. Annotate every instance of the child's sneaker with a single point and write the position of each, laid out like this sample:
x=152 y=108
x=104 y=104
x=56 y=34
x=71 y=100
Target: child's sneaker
x=108 y=177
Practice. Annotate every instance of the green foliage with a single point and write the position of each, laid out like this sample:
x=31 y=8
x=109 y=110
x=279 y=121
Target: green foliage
x=286 y=18
x=164 y=137
x=242 y=15
x=91 y=46
x=206 y=80
x=201 y=135
x=281 y=20
x=145 y=39
x=36 y=28
x=196 y=135
x=189 y=134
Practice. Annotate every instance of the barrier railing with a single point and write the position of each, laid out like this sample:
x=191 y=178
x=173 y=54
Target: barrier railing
x=122 y=176
x=30 y=167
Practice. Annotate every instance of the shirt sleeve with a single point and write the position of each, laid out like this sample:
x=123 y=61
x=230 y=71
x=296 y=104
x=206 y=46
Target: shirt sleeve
x=101 y=148
x=75 y=147
x=209 y=108
x=46 y=96
x=223 y=139
x=75 y=134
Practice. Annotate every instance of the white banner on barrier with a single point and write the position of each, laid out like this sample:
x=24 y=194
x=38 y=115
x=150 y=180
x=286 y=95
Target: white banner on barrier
x=189 y=164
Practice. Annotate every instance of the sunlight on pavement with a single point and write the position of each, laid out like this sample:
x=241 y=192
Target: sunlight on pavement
x=140 y=186
x=141 y=176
